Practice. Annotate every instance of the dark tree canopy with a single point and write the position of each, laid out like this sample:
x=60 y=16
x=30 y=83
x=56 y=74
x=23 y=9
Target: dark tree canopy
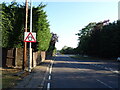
x=100 y=39
x=13 y=18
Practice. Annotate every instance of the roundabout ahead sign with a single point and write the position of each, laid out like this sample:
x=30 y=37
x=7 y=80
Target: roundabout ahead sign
x=29 y=37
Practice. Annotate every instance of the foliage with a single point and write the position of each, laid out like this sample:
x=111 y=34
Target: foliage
x=12 y=25
x=6 y=26
x=52 y=49
x=13 y=17
x=102 y=42
x=41 y=26
x=84 y=37
x=67 y=50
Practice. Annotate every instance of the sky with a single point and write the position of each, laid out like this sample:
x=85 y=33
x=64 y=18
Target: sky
x=67 y=17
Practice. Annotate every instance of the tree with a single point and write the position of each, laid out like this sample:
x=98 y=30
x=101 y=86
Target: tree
x=12 y=25
x=110 y=40
x=6 y=26
x=41 y=26
x=67 y=50
x=83 y=38
x=103 y=40
x=52 y=49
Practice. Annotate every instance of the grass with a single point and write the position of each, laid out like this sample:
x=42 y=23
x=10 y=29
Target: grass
x=79 y=57
x=9 y=79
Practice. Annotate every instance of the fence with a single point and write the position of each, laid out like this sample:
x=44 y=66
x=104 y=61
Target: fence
x=13 y=57
x=8 y=57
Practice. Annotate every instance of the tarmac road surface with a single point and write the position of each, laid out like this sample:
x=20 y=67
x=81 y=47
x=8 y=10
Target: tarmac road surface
x=67 y=73
x=63 y=72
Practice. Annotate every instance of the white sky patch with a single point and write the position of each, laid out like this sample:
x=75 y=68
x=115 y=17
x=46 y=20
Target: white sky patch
x=71 y=41
x=119 y=10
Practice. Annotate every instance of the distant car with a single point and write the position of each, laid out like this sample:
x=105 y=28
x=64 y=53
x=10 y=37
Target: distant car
x=118 y=59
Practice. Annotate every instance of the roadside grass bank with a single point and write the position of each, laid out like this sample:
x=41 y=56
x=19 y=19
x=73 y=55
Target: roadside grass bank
x=10 y=77
x=80 y=57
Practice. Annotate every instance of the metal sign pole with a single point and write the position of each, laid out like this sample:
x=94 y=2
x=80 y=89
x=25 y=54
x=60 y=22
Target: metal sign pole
x=30 y=49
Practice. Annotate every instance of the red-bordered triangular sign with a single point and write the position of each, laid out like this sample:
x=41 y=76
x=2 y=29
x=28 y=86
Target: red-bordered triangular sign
x=30 y=37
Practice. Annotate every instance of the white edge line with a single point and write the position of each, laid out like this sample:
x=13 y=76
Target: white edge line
x=50 y=69
x=48 y=86
x=51 y=66
x=104 y=83
x=42 y=83
x=49 y=77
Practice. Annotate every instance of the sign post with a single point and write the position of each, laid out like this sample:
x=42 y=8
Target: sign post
x=30 y=37
x=30 y=50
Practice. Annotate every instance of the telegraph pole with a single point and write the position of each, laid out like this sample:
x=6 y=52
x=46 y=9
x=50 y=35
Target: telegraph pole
x=25 y=43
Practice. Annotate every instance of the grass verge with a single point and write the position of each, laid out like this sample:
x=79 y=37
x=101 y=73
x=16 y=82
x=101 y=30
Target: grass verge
x=9 y=78
x=79 y=57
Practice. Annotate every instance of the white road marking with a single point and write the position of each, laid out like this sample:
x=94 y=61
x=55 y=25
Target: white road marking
x=51 y=61
x=48 y=86
x=110 y=69
x=80 y=70
x=116 y=71
x=104 y=83
x=49 y=77
x=68 y=62
x=106 y=68
x=42 y=83
x=50 y=69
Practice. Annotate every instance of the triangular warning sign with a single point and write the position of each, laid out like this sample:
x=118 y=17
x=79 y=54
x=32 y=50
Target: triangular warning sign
x=30 y=37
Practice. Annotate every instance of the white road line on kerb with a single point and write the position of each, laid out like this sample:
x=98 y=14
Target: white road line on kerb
x=104 y=83
x=48 y=86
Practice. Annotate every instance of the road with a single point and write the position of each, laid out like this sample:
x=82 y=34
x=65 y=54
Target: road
x=68 y=73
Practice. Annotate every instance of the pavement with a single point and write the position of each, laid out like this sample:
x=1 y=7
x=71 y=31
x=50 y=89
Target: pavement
x=36 y=78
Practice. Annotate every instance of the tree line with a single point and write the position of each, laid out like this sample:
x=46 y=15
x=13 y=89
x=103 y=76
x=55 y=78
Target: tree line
x=13 y=23
x=100 y=39
x=67 y=50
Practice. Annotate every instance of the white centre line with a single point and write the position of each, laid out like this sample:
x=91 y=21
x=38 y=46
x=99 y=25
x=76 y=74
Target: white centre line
x=104 y=83
x=48 y=86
